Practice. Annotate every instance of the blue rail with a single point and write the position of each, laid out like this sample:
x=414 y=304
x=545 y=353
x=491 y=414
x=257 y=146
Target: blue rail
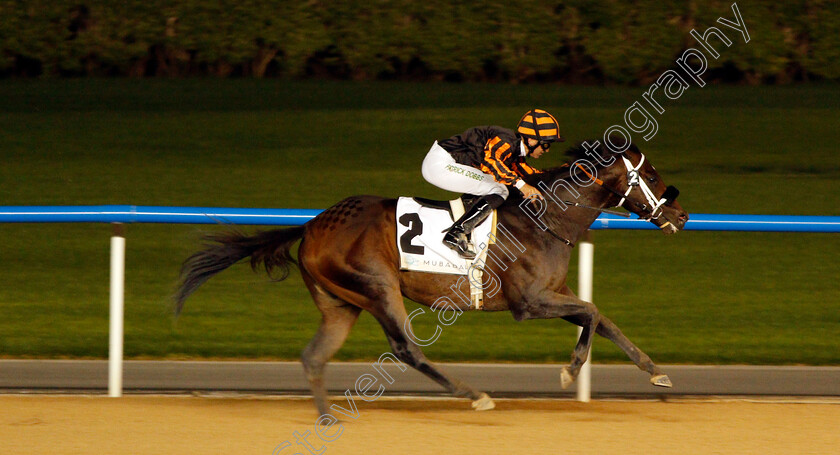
x=722 y=222
x=297 y=217
x=153 y=214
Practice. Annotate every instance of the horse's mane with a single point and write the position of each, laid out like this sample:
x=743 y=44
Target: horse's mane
x=579 y=152
x=572 y=154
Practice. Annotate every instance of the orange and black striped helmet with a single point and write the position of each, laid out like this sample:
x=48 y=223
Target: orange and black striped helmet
x=540 y=125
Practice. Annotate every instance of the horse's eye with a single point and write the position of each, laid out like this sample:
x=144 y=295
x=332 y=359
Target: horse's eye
x=651 y=179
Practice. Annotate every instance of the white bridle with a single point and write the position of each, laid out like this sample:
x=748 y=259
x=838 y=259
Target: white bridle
x=634 y=179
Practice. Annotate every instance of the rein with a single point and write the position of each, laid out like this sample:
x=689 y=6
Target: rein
x=562 y=239
x=597 y=209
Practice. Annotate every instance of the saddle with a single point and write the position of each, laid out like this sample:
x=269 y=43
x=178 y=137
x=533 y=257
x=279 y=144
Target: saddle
x=467 y=200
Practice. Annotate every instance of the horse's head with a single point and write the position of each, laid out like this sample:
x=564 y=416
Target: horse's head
x=636 y=186
x=646 y=193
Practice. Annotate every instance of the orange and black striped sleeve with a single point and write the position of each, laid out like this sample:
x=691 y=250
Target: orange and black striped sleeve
x=496 y=152
x=527 y=169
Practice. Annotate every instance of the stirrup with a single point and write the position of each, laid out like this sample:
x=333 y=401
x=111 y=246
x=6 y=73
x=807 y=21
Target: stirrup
x=458 y=242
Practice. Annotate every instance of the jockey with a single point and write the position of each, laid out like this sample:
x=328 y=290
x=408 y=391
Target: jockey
x=485 y=161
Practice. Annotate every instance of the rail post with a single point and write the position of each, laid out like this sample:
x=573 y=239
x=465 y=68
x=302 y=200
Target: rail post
x=115 y=334
x=586 y=261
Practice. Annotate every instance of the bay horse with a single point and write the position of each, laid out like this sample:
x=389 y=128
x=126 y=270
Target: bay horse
x=349 y=261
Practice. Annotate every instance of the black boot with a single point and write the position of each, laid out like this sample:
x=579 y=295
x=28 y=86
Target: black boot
x=456 y=236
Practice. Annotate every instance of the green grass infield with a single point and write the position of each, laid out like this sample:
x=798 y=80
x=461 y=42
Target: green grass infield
x=696 y=297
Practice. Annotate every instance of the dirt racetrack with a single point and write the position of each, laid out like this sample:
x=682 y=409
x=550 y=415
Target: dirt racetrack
x=40 y=424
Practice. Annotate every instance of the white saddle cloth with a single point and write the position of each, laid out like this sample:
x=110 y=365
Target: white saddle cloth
x=420 y=239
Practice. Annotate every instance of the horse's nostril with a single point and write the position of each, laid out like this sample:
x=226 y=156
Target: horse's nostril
x=683 y=216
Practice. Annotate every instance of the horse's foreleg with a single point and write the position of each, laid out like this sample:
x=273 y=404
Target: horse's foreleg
x=547 y=305
x=394 y=322
x=607 y=329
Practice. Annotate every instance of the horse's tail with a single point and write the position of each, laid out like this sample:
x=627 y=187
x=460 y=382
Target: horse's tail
x=270 y=248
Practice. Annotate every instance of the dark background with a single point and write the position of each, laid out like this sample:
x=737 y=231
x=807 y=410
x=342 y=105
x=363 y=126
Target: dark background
x=578 y=42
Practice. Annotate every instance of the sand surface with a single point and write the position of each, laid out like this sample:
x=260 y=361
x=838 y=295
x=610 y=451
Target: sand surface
x=43 y=424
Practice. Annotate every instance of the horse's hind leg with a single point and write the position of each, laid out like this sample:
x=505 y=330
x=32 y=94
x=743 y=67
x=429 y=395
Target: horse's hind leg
x=393 y=321
x=337 y=319
x=607 y=329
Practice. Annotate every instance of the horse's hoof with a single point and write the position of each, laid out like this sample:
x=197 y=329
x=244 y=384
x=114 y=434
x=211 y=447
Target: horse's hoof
x=483 y=403
x=566 y=378
x=661 y=380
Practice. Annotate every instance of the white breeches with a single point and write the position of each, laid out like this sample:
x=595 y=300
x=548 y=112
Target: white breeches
x=441 y=170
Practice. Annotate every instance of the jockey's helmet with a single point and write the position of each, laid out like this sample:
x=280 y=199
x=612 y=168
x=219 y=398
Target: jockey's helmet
x=540 y=125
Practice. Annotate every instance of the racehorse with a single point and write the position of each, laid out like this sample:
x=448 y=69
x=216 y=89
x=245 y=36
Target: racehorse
x=349 y=261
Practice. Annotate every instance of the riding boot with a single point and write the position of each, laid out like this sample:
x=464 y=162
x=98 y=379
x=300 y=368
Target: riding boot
x=456 y=236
